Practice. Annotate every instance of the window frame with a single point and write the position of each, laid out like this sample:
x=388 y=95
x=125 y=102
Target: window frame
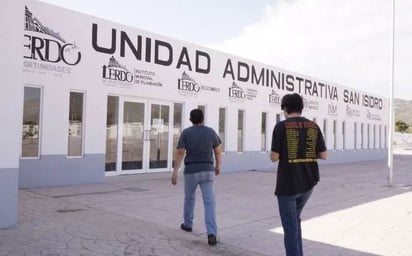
x=40 y=120
x=83 y=128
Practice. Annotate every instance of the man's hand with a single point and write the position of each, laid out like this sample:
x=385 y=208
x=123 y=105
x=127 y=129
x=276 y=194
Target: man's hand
x=174 y=177
x=217 y=170
x=179 y=155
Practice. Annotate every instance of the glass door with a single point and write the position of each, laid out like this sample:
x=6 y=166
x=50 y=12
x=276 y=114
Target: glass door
x=159 y=139
x=132 y=137
x=139 y=138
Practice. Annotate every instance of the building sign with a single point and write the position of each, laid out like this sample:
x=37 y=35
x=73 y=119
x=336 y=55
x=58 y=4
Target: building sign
x=350 y=112
x=274 y=98
x=115 y=74
x=372 y=116
x=45 y=50
x=310 y=104
x=135 y=58
x=150 y=50
x=146 y=77
x=187 y=86
x=238 y=94
x=332 y=110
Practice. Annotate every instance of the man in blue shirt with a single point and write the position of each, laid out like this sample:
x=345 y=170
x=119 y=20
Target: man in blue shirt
x=197 y=145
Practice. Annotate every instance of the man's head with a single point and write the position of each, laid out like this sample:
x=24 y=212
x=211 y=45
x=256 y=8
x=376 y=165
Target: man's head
x=292 y=103
x=196 y=116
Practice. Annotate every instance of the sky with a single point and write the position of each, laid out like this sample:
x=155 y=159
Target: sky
x=344 y=42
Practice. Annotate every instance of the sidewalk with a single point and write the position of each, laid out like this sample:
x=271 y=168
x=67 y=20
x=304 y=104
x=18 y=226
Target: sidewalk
x=351 y=212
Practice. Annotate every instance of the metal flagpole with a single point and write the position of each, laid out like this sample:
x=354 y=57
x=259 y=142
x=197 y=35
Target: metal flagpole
x=391 y=105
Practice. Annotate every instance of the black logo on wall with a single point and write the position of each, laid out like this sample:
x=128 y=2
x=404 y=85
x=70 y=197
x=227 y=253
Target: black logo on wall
x=48 y=46
x=116 y=72
x=187 y=86
x=310 y=104
x=274 y=98
x=237 y=93
x=332 y=110
x=352 y=112
x=371 y=116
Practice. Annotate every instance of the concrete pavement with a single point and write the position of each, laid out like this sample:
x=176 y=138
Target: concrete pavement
x=351 y=212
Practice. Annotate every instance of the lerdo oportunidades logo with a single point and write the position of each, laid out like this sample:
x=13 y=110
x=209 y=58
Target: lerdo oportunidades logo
x=46 y=49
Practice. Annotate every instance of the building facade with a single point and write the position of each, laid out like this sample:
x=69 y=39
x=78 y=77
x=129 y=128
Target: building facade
x=86 y=98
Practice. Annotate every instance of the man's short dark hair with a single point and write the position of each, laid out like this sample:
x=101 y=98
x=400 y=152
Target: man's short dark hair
x=196 y=116
x=292 y=103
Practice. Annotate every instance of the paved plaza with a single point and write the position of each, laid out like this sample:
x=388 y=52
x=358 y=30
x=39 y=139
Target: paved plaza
x=352 y=212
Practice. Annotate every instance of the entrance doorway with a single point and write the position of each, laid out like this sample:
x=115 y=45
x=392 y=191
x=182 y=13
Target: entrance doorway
x=140 y=135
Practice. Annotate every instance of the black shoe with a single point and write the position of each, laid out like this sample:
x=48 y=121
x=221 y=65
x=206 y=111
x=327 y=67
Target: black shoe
x=211 y=239
x=187 y=229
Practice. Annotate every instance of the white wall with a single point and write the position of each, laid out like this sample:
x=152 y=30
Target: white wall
x=324 y=100
x=11 y=107
x=87 y=77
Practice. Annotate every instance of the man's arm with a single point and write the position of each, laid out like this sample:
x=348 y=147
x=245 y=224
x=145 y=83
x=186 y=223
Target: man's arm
x=218 y=158
x=179 y=155
x=323 y=155
x=274 y=156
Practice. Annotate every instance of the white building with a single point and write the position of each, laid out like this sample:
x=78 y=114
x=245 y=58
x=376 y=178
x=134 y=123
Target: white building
x=84 y=98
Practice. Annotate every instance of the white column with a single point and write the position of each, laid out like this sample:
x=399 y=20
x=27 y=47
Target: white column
x=391 y=107
x=11 y=100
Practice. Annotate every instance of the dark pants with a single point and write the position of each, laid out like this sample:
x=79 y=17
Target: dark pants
x=290 y=208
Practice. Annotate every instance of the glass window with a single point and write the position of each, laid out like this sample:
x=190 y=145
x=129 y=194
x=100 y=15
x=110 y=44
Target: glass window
x=177 y=126
x=374 y=136
x=177 y=123
x=240 y=131
x=263 y=132
x=112 y=121
x=277 y=118
x=361 y=136
x=385 y=134
x=355 y=135
x=343 y=135
x=75 y=133
x=31 y=122
x=334 y=134
x=368 y=136
x=203 y=108
x=222 y=126
x=380 y=136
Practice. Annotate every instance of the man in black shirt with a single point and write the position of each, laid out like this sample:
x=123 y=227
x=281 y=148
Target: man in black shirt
x=297 y=143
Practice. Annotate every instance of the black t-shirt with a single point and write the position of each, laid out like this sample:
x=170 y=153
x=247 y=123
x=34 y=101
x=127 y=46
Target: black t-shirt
x=298 y=141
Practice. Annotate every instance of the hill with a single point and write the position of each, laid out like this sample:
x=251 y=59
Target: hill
x=403 y=110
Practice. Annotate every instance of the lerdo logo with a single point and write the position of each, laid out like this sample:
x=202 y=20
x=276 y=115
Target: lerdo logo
x=44 y=44
x=116 y=72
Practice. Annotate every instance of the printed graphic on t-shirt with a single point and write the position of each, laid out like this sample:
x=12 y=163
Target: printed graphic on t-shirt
x=301 y=137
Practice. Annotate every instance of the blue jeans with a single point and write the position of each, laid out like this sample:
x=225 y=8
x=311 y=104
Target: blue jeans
x=290 y=208
x=205 y=181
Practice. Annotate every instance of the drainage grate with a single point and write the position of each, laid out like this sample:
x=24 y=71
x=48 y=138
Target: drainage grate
x=69 y=210
x=136 y=189
x=131 y=189
x=88 y=193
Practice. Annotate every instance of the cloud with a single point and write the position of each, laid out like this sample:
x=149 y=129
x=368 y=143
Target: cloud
x=346 y=42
